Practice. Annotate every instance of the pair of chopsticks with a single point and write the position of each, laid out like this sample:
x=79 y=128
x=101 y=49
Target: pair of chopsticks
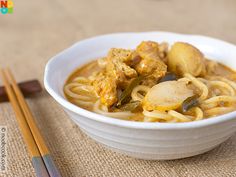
x=40 y=155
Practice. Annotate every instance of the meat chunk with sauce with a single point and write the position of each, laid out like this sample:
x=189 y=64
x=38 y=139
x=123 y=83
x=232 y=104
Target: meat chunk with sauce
x=118 y=68
x=121 y=66
x=122 y=55
x=153 y=69
x=116 y=73
x=151 y=64
x=150 y=49
x=105 y=87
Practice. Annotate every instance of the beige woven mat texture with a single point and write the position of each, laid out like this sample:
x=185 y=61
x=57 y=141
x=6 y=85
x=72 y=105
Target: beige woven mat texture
x=37 y=30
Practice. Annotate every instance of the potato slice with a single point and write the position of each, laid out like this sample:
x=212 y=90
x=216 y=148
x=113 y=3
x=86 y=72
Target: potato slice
x=185 y=58
x=166 y=96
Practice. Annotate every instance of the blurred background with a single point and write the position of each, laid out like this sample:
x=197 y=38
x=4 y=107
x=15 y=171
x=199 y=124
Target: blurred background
x=37 y=30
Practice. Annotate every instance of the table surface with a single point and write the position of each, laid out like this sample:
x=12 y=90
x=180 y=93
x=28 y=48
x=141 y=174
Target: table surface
x=37 y=30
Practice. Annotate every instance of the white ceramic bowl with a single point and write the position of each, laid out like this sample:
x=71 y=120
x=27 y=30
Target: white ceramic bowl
x=136 y=139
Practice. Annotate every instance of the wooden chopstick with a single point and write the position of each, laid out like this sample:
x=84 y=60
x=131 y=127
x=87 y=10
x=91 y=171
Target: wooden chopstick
x=37 y=161
x=50 y=165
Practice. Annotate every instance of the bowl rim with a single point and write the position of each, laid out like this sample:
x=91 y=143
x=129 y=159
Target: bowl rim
x=131 y=124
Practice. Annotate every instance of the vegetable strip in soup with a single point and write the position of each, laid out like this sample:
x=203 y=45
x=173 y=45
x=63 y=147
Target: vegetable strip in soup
x=154 y=83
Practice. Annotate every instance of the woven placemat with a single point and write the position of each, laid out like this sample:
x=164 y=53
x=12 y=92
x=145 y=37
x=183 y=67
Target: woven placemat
x=38 y=30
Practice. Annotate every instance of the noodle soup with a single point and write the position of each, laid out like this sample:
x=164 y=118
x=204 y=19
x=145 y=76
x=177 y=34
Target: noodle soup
x=154 y=83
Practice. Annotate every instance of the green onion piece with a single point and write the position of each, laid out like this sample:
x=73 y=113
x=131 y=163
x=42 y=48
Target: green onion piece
x=130 y=106
x=127 y=92
x=189 y=103
x=168 y=77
